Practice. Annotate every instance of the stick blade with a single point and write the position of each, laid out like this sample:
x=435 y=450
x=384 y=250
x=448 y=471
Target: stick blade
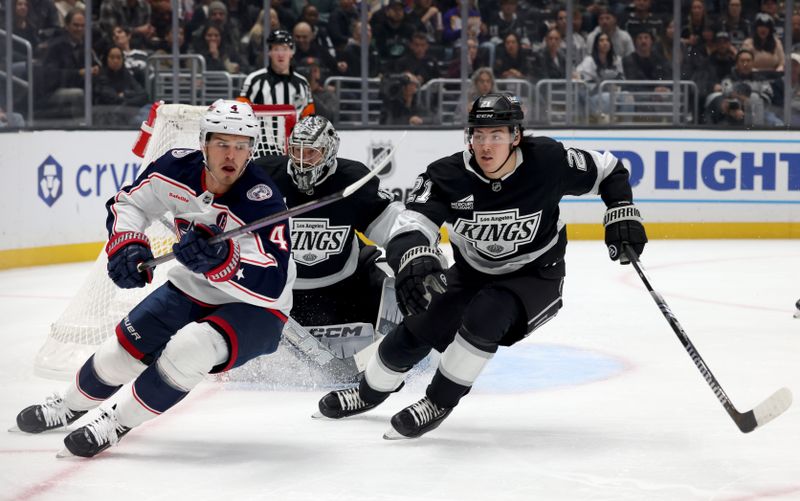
x=766 y=411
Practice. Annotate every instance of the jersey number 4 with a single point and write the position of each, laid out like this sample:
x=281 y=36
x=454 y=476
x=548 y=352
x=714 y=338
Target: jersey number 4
x=278 y=237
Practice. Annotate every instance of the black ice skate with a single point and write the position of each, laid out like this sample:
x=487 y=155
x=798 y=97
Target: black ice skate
x=343 y=403
x=417 y=419
x=52 y=414
x=97 y=436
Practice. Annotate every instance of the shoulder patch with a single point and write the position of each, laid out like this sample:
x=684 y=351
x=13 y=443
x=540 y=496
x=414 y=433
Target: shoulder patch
x=181 y=152
x=576 y=159
x=259 y=192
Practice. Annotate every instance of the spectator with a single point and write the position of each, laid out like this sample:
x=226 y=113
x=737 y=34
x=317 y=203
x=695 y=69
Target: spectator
x=796 y=32
x=474 y=60
x=723 y=57
x=579 y=47
x=285 y=14
x=22 y=25
x=552 y=62
x=620 y=39
x=743 y=73
x=417 y=61
x=734 y=23
x=64 y=66
x=351 y=55
x=392 y=32
x=401 y=101
x=482 y=83
x=340 y=23
x=228 y=30
x=135 y=59
x=44 y=16
x=664 y=45
x=728 y=109
x=310 y=15
x=767 y=49
x=306 y=47
x=505 y=21
x=254 y=39
x=693 y=27
x=11 y=120
x=603 y=64
x=326 y=102
x=325 y=9
x=511 y=61
x=217 y=54
x=133 y=14
x=644 y=64
x=64 y=6
x=427 y=18
x=642 y=19
x=451 y=24
x=117 y=92
x=794 y=95
x=770 y=8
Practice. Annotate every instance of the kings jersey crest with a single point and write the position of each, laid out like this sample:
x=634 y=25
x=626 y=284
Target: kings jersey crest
x=498 y=233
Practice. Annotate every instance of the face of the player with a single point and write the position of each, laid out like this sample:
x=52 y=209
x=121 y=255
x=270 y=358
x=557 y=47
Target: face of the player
x=491 y=147
x=226 y=158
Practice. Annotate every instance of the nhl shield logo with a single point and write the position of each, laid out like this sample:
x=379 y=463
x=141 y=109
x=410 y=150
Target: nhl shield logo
x=51 y=177
x=377 y=151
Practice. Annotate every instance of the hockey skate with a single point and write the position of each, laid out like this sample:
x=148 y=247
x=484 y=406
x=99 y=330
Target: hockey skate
x=97 y=436
x=417 y=419
x=52 y=414
x=343 y=403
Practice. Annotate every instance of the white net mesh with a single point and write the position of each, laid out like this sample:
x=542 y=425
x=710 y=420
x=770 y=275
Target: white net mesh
x=99 y=305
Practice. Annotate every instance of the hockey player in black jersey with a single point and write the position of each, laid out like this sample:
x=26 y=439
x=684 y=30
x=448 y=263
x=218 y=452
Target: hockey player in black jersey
x=499 y=202
x=224 y=304
x=339 y=280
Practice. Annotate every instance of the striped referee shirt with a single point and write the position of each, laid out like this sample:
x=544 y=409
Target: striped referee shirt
x=267 y=87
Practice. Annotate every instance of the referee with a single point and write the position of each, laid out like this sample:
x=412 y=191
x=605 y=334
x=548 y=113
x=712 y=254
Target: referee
x=278 y=83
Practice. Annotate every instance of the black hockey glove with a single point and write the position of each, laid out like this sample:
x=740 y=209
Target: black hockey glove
x=219 y=262
x=624 y=225
x=420 y=276
x=125 y=251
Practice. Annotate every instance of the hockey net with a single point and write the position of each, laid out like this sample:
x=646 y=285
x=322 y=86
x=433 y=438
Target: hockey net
x=99 y=305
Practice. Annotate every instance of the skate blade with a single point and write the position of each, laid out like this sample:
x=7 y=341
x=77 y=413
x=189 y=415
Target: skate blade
x=319 y=415
x=64 y=453
x=15 y=429
x=392 y=434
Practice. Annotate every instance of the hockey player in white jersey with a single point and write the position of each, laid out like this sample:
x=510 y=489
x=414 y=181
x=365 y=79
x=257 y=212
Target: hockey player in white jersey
x=340 y=284
x=498 y=200
x=225 y=304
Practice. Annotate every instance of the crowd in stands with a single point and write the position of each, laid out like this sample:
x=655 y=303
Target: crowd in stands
x=731 y=49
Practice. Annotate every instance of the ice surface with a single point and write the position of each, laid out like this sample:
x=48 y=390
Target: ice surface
x=601 y=403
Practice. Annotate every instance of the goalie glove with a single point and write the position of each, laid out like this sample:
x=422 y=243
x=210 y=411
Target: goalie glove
x=623 y=225
x=125 y=251
x=421 y=275
x=219 y=261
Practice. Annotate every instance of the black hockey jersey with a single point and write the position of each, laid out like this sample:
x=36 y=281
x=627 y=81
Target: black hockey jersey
x=175 y=184
x=500 y=226
x=324 y=245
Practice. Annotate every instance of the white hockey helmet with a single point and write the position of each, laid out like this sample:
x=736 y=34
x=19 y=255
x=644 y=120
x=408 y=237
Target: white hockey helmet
x=313 y=146
x=229 y=117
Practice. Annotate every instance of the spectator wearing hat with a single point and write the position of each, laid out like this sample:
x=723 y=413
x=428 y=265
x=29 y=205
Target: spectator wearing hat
x=229 y=30
x=723 y=56
x=767 y=48
x=607 y=23
x=279 y=83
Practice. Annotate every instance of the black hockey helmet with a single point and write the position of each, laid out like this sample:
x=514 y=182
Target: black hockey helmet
x=279 y=37
x=496 y=109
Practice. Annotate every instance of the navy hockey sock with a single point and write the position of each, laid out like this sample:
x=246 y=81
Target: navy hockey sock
x=90 y=385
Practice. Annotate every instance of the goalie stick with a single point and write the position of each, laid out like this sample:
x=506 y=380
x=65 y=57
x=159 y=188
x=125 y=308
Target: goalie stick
x=763 y=413
x=294 y=211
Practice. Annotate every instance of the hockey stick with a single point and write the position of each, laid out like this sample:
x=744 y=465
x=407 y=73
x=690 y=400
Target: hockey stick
x=748 y=421
x=294 y=211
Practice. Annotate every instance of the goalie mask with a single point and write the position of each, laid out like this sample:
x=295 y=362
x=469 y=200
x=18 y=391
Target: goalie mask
x=313 y=146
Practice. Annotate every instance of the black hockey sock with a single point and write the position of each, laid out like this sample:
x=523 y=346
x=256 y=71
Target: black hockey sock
x=444 y=392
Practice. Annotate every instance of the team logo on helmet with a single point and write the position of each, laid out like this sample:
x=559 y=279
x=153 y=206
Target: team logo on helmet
x=259 y=192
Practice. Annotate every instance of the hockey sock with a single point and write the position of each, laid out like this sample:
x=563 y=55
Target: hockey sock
x=88 y=390
x=150 y=396
x=459 y=367
x=379 y=380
